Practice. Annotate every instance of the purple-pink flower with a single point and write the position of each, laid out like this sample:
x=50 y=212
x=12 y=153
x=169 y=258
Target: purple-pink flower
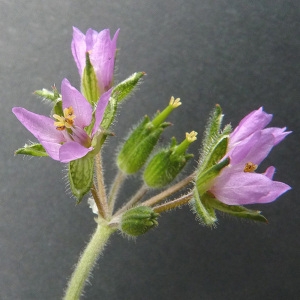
x=64 y=137
x=102 y=51
x=249 y=145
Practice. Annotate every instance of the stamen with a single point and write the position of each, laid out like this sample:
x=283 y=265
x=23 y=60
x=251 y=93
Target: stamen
x=67 y=121
x=250 y=167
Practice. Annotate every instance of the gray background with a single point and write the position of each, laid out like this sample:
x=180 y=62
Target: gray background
x=240 y=54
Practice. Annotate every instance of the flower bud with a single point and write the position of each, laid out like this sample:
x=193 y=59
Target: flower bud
x=138 y=220
x=168 y=163
x=140 y=143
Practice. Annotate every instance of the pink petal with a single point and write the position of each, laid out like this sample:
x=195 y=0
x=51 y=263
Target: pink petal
x=101 y=106
x=278 y=133
x=41 y=127
x=72 y=151
x=254 y=121
x=78 y=47
x=270 y=172
x=241 y=188
x=90 y=39
x=103 y=58
x=82 y=108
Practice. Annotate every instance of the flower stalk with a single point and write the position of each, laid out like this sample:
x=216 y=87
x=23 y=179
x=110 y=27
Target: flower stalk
x=88 y=260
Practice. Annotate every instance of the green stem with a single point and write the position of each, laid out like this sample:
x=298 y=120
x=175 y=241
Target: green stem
x=87 y=261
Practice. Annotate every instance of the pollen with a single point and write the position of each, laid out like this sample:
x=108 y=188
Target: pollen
x=250 y=167
x=191 y=137
x=66 y=121
x=174 y=102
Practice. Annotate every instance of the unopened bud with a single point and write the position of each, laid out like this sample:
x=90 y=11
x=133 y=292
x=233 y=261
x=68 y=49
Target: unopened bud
x=138 y=220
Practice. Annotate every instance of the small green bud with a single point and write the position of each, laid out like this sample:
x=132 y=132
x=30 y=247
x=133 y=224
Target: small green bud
x=138 y=220
x=81 y=172
x=168 y=163
x=33 y=150
x=89 y=83
x=142 y=140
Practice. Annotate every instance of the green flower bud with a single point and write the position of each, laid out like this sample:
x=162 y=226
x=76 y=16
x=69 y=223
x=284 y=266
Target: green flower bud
x=168 y=163
x=138 y=220
x=140 y=143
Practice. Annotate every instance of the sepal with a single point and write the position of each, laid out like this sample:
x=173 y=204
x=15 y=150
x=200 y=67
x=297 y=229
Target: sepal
x=89 y=83
x=81 y=172
x=138 y=220
x=48 y=95
x=215 y=141
x=205 y=213
x=204 y=179
x=119 y=93
x=34 y=149
x=236 y=210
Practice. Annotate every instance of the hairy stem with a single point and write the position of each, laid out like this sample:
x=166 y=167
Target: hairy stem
x=168 y=192
x=136 y=198
x=120 y=177
x=87 y=261
x=173 y=204
x=100 y=185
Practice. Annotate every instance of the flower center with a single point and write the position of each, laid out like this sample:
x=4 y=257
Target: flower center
x=250 y=167
x=65 y=121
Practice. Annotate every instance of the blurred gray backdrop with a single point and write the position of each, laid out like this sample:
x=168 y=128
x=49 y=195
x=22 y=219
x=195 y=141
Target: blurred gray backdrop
x=240 y=54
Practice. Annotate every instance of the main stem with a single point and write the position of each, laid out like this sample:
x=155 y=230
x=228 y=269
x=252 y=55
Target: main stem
x=87 y=261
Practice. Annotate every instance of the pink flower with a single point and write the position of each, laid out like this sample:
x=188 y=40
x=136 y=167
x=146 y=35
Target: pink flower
x=102 y=52
x=64 y=137
x=249 y=145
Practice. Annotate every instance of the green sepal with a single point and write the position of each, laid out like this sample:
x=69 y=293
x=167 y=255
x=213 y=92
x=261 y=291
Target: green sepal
x=139 y=145
x=57 y=108
x=52 y=96
x=138 y=220
x=118 y=94
x=215 y=142
x=89 y=83
x=122 y=90
x=34 y=149
x=205 y=213
x=81 y=173
x=165 y=166
x=203 y=180
x=236 y=210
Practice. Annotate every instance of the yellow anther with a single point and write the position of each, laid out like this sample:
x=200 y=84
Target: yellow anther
x=66 y=121
x=250 y=167
x=174 y=102
x=191 y=137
